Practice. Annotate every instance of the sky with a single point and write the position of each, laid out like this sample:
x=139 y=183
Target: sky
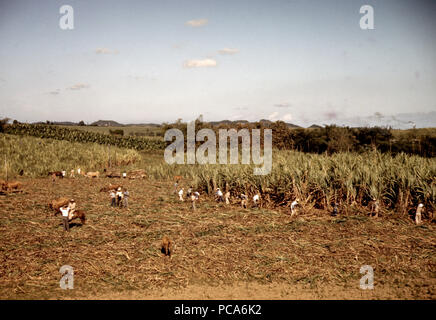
x=302 y=62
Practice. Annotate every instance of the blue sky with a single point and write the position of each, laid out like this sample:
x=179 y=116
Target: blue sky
x=152 y=61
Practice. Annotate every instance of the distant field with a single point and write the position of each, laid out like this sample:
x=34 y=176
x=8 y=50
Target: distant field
x=36 y=156
x=147 y=131
x=418 y=132
x=151 y=131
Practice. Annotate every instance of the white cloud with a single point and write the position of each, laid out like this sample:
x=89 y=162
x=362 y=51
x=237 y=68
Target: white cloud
x=78 y=86
x=283 y=105
x=55 y=92
x=105 y=51
x=228 y=51
x=197 y=22
x=236 y=117
x=287 y=117
x=273 y=116
x=200 y=63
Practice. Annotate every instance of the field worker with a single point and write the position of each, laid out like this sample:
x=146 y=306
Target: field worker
x=335 y=210
x=181 y=194
x=375 y=208
x=119 y=197
x=256 y=199
x=418 y=215
x=63 y=173
x=72 y=173
x=65 y=219
x=227 y=197
x=244 y=200
x=113 y=197
x=189 y=192
x=294 y=206
x=124 y=175
x=193 y=199
x=196 y=195
x=72 y=207
x=219 y=195
x=126 y=198
x=78 y=171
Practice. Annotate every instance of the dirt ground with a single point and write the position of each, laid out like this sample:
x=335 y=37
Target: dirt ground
x=221 y=252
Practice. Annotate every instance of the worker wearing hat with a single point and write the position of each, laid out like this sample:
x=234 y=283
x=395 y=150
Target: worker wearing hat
x=418 y=215
x=65 y=217
x=72 y=208
x=119 y=197
x=113 y=198
x=126 y=198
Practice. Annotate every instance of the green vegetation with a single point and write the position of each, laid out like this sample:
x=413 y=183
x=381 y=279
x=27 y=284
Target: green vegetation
x=347 y=178
x=36 y=157
x=351 y=168
x=334 y=139
x=150 y=132
x=75 y=135
x=115 y=132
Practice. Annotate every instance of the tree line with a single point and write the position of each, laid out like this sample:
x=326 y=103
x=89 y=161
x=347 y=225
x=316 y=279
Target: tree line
x=333 y=139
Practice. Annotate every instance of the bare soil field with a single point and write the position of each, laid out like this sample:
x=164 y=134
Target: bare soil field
x=221 y=252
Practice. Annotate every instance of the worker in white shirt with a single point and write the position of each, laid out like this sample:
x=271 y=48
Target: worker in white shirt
x=126 y=198
x=113 y=198
x=294 y=205
x=72 y=207
x=256 y=199
x=418 y=214
x=227 y=197
x=119 y=197
x=219 y=194
x=181 y=195
x=244 y=200
x=193 y=199
x=65 y=219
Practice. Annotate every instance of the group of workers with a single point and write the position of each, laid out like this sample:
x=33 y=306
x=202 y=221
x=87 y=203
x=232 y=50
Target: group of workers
x=119 y=198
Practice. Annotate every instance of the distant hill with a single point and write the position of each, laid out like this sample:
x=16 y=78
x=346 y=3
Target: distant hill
x=59 y=123
x=227 y=122
x=265 y=122
x=291 y=125
x=142 y=125
x=315 y=126
x=106 y=123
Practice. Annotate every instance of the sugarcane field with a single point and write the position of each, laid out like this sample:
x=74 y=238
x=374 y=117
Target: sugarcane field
x=303 y=231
